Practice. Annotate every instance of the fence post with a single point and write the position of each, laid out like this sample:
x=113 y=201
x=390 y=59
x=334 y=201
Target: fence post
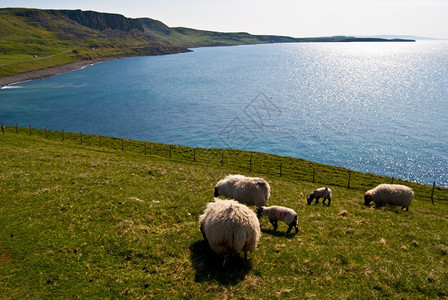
x=30 y=129
x=63 y=134
x=3 y=128
x=46 y=133
x=194 y=154
x=432 y=193
x=222 y=159
x=101 y=142
x=250 y=164
x=314 y=174
x=392 y=182
x=17 y=128
x=122 y=144
x=171 y=150
x=281 y=168
x=81 y=137
x=145 y=148
x=349 y=175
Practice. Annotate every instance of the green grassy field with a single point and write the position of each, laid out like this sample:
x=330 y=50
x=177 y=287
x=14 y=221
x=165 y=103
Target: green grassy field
x=81 y=220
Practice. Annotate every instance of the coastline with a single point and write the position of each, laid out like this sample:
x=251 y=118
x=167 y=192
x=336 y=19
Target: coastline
x=43 y=73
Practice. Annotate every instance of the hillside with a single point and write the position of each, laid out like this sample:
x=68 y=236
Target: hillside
x=188 y=37
x=32 y=39
x=84 y=219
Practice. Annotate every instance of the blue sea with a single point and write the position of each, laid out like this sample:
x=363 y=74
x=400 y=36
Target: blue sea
x=372 y=107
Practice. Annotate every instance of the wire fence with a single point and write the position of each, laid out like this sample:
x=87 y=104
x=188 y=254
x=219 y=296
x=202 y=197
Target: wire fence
x=288 y=168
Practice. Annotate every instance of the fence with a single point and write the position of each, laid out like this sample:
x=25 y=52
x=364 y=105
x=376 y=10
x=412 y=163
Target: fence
x=288 y=168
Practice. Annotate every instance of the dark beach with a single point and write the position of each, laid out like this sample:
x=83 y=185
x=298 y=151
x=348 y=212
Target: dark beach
x=39 y=74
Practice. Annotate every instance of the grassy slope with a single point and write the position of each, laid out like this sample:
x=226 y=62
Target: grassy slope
x=56 y=40
x=88 y=221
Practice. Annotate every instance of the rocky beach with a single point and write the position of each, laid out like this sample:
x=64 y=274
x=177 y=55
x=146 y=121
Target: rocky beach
x=39 y=74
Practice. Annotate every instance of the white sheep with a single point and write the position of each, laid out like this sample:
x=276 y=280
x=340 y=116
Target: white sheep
x=279 y=213
x=230 y=226
x=318 y=193
x=393 y=194
x=247 y=190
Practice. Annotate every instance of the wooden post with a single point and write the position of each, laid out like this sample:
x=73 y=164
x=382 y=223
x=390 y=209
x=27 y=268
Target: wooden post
x=122 y=144
x=81 y=137
x=145 y=148
x=17 y=128
x=63 y=134
x=101 y=142
x=314 y=174
x=222 y=159
x=46 y=132
x=3 y=128
x=171 y=151
x=30 y=129
x=349 y=175
x=432 y=193
x=392 y=182
x=250 y=164
x=194 y=154
x=281 y=169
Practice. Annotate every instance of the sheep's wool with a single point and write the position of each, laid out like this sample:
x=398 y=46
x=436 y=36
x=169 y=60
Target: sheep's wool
x=230 y=226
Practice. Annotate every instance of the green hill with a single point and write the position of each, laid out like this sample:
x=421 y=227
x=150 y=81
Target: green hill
x=87 y=216
x=33 y=39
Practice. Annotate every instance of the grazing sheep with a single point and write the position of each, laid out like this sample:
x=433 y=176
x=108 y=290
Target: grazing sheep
x=276 y=213
x=393 y=194
x=318 y=193
x=246 y=190
x=230 y=226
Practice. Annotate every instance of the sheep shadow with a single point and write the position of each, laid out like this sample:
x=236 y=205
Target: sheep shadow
x=208 y=265
x=278 y=233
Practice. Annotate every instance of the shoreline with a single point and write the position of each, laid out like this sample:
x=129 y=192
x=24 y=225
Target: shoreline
x=48 y=72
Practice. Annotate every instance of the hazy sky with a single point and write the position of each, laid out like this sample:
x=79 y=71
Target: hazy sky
x=298 y=18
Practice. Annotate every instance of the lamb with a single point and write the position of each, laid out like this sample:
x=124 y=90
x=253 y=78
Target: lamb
x=318 y=193
x=276 y=213
x=230 y=226
x=393 y=194
x=247 y=190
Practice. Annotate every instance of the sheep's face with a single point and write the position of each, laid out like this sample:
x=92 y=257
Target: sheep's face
x=216 y=192
x=310 y=199
x=367 y=199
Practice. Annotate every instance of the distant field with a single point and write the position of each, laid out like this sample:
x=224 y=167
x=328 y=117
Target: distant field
x=84 y=220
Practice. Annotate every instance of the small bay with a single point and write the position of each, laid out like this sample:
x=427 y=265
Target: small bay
x=372 y=107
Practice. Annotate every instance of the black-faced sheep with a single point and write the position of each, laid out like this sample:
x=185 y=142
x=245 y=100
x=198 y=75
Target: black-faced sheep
x=318 y=193
x=279 y=213
x=246 y=190
x=230 y=226
x=393 y=194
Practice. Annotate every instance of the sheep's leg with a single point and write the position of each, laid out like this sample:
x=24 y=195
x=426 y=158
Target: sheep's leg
x=274 y=223
x=289 y=228
x=224 y=262
x=317 y=200
x=329 y=201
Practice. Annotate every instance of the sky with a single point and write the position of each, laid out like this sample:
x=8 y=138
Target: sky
x=296 y=18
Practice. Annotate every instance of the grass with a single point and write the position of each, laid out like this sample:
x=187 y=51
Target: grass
x=80 y=220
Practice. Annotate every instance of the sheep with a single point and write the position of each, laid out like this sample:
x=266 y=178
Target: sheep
x=320 y=192
x=247 y=190
x=230 y=226
x=276 y=213
x=393 y=194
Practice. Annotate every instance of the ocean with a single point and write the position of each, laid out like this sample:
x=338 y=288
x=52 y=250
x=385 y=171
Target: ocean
x=372 y=107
